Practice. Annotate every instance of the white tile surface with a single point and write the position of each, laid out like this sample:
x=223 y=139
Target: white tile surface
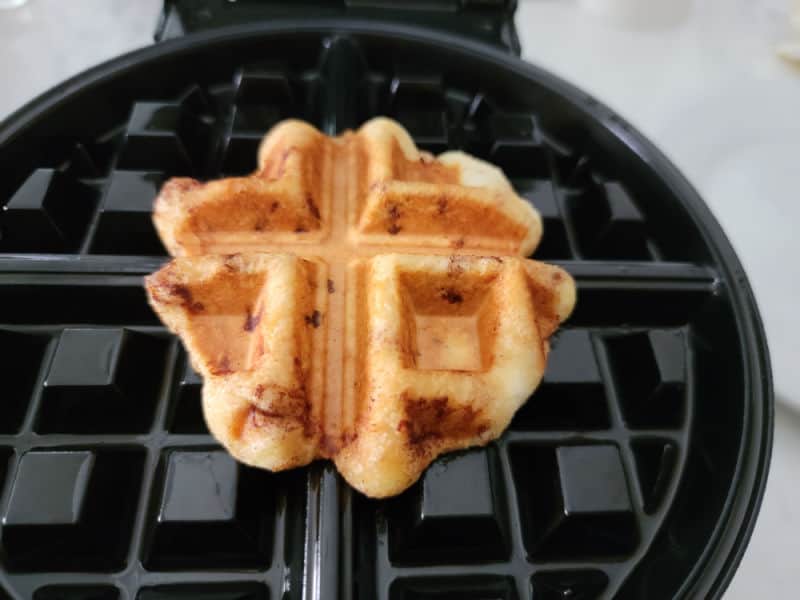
x=46 y=41
x=706 y=89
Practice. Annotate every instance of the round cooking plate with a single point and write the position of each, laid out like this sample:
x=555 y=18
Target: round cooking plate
x=635 y=471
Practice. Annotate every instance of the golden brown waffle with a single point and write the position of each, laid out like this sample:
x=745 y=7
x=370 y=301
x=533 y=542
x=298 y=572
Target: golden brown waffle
x=339 y=302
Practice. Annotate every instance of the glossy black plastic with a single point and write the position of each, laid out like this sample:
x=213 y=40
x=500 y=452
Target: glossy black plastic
x=490 y=21
x=635 y=471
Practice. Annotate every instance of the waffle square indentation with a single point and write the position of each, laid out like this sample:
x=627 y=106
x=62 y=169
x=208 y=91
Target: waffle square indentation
x=453 y=515
x=50 y=212
x=650 y=373
x=72 y=510
x=102 y=380
x=574 y=501
x=19 y=369
x=211 y=513
x=124 y=223
x=571 y=395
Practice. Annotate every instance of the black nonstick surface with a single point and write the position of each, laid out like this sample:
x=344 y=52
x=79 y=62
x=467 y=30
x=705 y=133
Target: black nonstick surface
x=635 y=471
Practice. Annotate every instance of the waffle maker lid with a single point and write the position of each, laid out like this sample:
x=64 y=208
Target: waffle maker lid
x=636 y=470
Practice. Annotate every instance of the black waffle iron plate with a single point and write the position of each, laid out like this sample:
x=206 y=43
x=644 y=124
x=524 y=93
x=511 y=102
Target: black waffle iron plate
x=635 y=471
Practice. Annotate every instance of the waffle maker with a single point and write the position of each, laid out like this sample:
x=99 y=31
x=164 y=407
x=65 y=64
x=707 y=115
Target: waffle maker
x=637 y=469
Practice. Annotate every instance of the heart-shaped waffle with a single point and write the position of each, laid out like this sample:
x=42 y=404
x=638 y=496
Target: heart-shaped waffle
x=358 y=300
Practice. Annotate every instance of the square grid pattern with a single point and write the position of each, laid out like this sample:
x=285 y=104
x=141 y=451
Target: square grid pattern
x=109 y=473
x=98 y=202
x=558 y=507
x=103 y=415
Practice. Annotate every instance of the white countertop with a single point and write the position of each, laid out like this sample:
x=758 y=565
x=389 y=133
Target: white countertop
x=706 y=89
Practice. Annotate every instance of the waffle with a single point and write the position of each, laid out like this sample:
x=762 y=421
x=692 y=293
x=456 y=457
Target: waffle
x=359 y=300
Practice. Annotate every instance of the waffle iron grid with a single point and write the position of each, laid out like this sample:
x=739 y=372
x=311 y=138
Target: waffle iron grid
x=113 y=486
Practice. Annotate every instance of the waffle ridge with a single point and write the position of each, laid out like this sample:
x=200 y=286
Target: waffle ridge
x=359 y=300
